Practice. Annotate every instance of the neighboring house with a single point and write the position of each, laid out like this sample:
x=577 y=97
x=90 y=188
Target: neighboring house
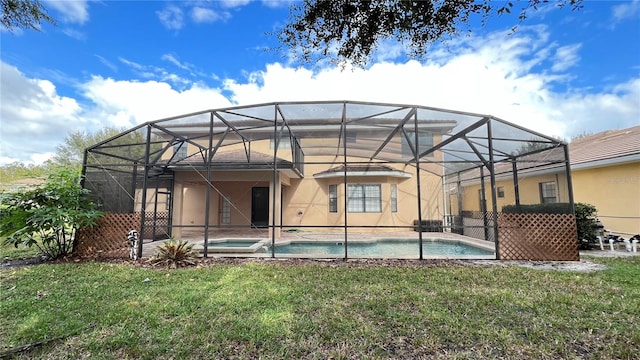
x=605 y=168
x=605 y=171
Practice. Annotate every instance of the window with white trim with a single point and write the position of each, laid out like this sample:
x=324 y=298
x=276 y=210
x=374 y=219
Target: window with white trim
x=425 y=140
x=225 y=209
x=394 y=197
x=364 y=198
x=285 y=142
x=180 y=151
x=333 y=198
x=548 y=192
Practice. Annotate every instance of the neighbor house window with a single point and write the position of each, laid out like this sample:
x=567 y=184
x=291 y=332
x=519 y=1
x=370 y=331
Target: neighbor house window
x=364 y=198
x=285 y=142
x=394 y=198
x=500 y=191
x=548 y=192
x=225 y=209
x=333 y=198
x=180 y=151
x=425 y=140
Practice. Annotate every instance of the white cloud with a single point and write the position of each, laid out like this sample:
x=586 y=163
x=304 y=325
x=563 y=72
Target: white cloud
x=76 y=11
x=172 y=59
x=158 y=73
x=565 y=57
x=488 y=75
x=506 y=77
x=626 y=10
x=72 y=33
x=234 y=3
x=388 y=50
x=35 y=119
x=171 y=17
x=107 y=63
x=207 y=15
x=127 y=103
x=33 y=116
x=276 y=3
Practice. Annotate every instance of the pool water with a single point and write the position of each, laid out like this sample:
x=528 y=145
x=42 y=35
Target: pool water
x=382 y=248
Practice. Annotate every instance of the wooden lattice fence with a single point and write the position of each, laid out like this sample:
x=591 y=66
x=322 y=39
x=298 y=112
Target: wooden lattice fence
x=108 y=238
x=545 y=237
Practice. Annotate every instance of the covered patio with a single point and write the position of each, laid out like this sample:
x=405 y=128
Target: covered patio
x=353 y=170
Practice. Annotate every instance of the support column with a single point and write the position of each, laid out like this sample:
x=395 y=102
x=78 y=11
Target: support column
x=144 y=191
x=516 y=186
x=483 y=204
x=207 y=197
x=176 y=213
x=276 y=207
x=494 y=200
x=418 y=183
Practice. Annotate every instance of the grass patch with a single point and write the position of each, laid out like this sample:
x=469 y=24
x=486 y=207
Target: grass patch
x=274 y=311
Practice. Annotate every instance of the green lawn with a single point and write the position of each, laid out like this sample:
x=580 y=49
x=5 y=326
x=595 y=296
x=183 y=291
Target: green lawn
x=10 y=252
x=273 y=310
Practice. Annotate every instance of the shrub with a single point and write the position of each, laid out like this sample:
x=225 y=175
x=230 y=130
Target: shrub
x=587 y=224
x=173 y=254
x=556 y=208
x=49 y=215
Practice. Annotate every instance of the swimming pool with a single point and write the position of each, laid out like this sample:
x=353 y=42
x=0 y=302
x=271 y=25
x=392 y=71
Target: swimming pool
x=383 y=248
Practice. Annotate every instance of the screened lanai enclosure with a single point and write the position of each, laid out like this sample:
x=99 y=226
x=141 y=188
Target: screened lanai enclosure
x=335 y=180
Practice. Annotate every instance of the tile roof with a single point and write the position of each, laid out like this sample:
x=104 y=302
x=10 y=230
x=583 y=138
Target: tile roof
x=605 y=145
x=358 y=168
x=233 y=157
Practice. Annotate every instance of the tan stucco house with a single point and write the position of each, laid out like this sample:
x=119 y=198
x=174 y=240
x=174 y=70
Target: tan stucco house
x=308 y=167
x=605 y=168
x=605 y=172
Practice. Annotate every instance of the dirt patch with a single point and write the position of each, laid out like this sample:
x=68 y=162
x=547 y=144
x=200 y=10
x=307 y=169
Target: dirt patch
x=584 y=265
x=577 y=266
x=22 y=262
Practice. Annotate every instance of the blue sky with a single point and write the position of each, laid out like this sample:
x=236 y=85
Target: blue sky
x=121 y=63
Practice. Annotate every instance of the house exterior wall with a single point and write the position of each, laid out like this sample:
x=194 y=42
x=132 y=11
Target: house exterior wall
x=528 y=187
x=615 y=192
x=306 y=200
x=189 y=201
